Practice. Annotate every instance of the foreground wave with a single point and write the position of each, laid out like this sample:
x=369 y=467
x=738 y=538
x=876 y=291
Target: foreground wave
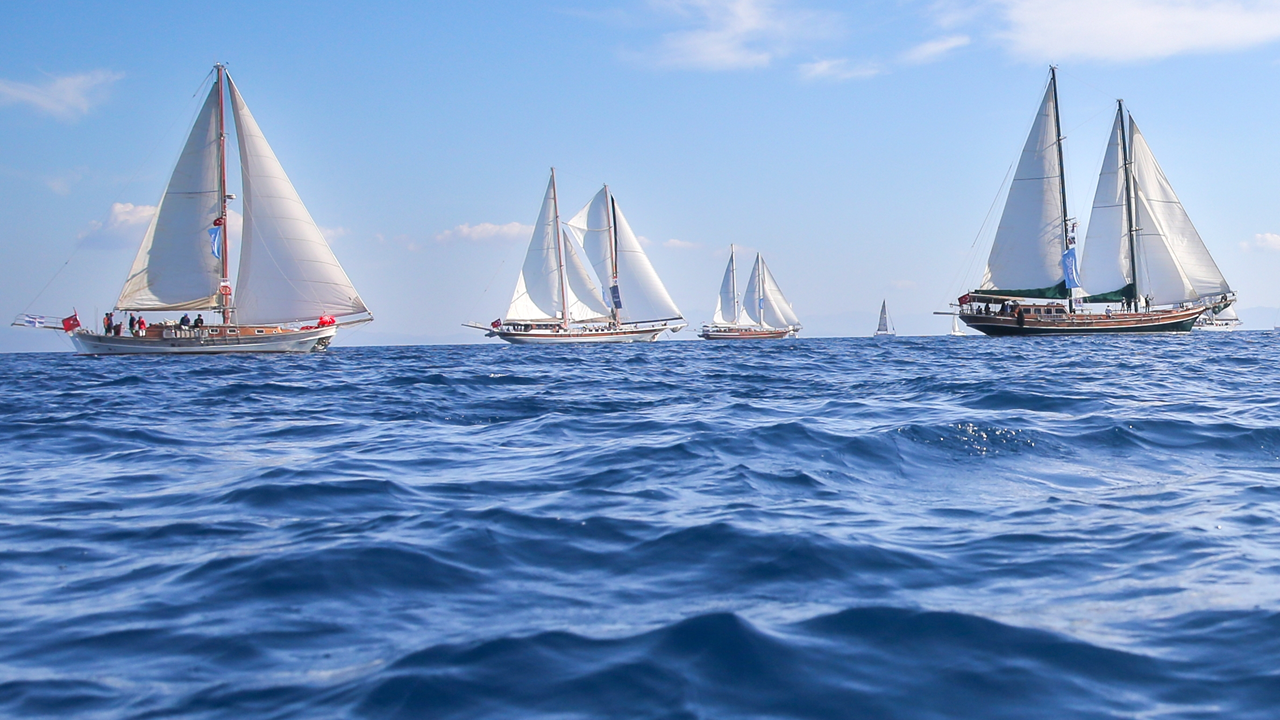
x=921 y=528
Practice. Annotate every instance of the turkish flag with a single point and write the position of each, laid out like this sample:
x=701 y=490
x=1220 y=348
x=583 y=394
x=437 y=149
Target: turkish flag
x=71 y=323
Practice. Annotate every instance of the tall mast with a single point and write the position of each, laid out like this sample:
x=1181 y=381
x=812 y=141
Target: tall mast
x=1131 y=231
x=1062 y=171
x=224 y=299
x=564 y=291
x=760 y=289
x=733 y=284
x=615 y=293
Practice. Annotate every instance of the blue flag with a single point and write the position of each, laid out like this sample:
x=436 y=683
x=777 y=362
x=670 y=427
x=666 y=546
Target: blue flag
x=215 y=246
x=1070 y=269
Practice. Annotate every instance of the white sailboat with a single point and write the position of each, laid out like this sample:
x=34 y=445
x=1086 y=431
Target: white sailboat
x=763 y=314
x=291 y=294
x=556 y=300
x=1225 y=320
x=956 y=330
x=885 y=326
x=1142 y=256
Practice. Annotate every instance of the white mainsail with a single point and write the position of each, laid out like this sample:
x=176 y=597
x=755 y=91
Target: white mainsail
x=608 y=240
x=288 y=272
x=883 y=327
x=1105 y=265
x=1174 y=264
x=540 y=294
x=1029 y=243
x=727 y=302
x=763 y=302
x=176 y=267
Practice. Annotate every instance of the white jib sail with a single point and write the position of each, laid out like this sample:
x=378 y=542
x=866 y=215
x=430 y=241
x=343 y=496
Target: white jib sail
x=883 y=326
x=1227 y=313
x=1105 y=264
x=288 y=272
x=727 y=302
x=763 y=302
x=1169 y=226
x=176 y=268
x=539 y=295
x=1028 y=247
x=644 y=297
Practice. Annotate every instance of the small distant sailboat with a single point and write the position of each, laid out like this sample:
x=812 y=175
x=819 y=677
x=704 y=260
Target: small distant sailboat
x=886 y=326
x=1141 y=250
x=1225 y=320
x=291 y=293
x=956 y=331
x=555 y=299
x=764 y=313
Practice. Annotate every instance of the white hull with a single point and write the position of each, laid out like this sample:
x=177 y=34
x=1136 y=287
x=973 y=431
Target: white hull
x=193 y=343
x=575 y=337
x=1213 y=327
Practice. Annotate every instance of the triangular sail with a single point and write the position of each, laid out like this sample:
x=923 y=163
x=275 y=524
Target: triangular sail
x=762 y=301
x=288 y=272
x=727 y=301
x=593 y=227
x=1026 y=256
x=539 y=295
x=176 y=268
x=1178 y=266
x=777 y=301
x=1106 y=267
x=1226 y=313
x=883 y=327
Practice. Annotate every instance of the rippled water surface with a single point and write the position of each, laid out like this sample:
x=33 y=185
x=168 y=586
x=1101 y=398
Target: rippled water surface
x=920 y=528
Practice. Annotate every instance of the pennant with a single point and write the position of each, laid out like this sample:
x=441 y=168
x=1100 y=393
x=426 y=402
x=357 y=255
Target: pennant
x=1071 y=269
x=214 y=245
x=616 y=296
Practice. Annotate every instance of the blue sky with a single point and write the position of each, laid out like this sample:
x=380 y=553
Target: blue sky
x=858 y=146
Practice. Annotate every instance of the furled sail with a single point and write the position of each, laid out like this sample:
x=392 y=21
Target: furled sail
x=176 y=267
x=288 y=271
x=539 y=295
x=1106 y=266
x=643 y=296
x=1026 y=257
x=1174 y=264
x=763 y=302
x=727 y=302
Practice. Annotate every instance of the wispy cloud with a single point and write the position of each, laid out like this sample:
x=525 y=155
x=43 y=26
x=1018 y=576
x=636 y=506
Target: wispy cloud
x=934 y=49
x=1263 y=241
x=62 y=184
x=737 y=34
x=66 y=98
x=680 y=244
x=486 y=231
x=333 y=233
x=838 y=69
x=1125 y=30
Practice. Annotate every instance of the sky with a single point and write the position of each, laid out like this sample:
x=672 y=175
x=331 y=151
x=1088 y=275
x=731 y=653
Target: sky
x=861 y=147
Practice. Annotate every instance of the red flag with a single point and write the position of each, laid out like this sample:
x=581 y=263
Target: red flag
x=71 y=323
x=326 y=321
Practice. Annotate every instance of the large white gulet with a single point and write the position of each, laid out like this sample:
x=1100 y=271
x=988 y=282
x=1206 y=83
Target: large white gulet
x=763 y=314
x=555 y=299
x=291 y=293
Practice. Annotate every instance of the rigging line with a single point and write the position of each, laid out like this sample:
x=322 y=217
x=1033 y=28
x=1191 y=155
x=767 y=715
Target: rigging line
x=106 y=217
x=964 y=272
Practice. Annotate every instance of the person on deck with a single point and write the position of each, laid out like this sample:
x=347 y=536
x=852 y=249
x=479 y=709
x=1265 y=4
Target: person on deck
x=108 y=322
x=199 y=323
x=142 y=326
x=185 y=321
x=133 y=323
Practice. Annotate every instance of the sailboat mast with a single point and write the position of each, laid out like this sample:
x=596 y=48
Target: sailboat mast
x=733 y=284
x=1062 y=170
x=760 y=289
x=224 y=299
x=614 y=292
x=564 y=291
x=1130 y=230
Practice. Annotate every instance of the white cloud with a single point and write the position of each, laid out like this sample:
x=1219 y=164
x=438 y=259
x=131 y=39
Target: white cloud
x=65 y=98
x=1262 y=241
x=737 y=34
x=644 y=241
x=929 y=51
x=838 y=69
x=1121 y=30
x=680 y=244
x=486 y=231
x=333 y=233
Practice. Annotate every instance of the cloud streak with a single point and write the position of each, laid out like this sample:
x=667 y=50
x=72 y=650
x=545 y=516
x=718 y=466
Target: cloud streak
x=736 y=34
x=1131 y=30
x=486 y=231
x=67 y=98
x=837 y=69
x=927 y=52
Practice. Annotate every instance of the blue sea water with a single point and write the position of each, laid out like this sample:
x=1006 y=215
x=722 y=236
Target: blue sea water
x=916 y=528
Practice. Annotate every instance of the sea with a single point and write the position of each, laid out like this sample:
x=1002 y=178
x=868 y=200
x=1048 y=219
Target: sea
x=919 y=527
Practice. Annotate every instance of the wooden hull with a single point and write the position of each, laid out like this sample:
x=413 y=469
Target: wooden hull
x=714 y=332
x=578 y=337
x=1084 y=323
x=172 y=341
